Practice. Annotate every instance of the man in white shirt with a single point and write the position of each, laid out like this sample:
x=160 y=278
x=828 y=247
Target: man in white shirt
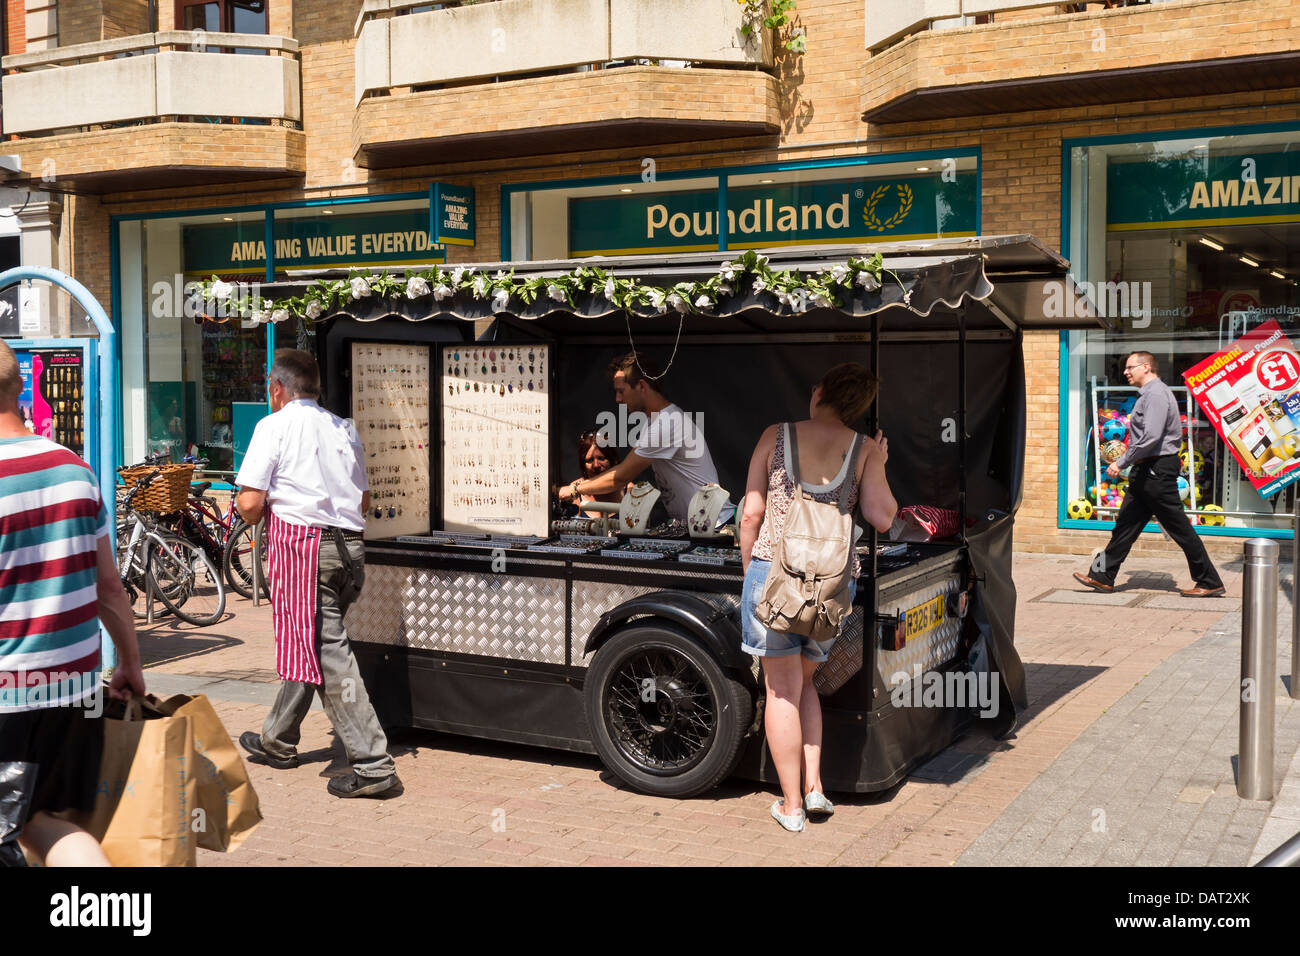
x=671 y=442
x=304 y=468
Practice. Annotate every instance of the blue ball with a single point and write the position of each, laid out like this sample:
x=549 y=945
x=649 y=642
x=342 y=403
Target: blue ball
x=1184 y=488
x=1113 y=430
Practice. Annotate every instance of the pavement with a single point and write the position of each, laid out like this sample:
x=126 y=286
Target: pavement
x=1126 y=755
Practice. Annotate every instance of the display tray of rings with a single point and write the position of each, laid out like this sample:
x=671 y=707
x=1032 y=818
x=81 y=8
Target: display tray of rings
x=646 y=549
x=711 y=554
x=572 y=544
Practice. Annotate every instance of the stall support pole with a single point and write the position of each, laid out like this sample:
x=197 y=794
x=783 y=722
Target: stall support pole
x=1258 y=671
x=1294 y=688
x=961 y=424
x=873 y=425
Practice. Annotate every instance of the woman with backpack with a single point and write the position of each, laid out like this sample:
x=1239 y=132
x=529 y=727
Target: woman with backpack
x=791 y=617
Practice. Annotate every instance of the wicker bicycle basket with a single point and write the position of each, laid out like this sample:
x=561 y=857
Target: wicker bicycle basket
x=166 y=493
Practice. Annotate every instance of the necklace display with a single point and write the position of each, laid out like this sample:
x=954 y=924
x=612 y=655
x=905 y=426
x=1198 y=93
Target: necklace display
x=634 y=510
x=704 y=509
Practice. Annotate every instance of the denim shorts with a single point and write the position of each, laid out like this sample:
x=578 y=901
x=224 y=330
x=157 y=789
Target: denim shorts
x=762 y=641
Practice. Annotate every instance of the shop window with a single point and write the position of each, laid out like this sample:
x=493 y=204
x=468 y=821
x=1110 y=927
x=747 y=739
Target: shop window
x=814 y=206
x=192 y=382
x=1187 y=244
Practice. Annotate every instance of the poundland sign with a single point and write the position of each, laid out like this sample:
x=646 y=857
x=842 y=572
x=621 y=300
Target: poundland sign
x=381 y=238
x=1199 y=190
x=857 y=210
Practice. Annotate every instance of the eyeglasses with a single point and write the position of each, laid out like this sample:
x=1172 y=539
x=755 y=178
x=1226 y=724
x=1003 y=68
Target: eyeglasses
x=1129 y=368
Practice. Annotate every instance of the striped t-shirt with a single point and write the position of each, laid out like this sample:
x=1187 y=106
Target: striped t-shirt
x=51 y=518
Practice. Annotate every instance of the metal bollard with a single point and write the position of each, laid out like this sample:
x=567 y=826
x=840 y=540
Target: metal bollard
x=257 y=562
x=1294 y=689
x=1258 y=671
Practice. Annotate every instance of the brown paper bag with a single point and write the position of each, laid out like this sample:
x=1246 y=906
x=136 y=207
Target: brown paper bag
x=224 y=794
x=142 y=814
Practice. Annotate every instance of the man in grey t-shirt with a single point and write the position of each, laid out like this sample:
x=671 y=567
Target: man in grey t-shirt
x=1155 y=432
x=671 y=442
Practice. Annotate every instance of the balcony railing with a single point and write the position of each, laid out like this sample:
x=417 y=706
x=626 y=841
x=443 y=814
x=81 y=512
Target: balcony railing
x=505 y=39
x=889 y=21
x=150 y=78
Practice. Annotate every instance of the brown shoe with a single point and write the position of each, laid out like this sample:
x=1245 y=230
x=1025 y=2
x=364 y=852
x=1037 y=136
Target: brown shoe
x=1199 y=591
x=1088 y=582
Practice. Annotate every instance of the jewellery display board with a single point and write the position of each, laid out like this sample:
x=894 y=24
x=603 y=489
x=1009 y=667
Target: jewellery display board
x=496 y=438
x=390 y=405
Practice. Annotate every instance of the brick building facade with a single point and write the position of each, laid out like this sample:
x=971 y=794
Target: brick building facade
x=1015 y=91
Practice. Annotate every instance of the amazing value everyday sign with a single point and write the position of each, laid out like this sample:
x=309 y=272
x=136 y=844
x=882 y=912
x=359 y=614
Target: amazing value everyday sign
x=380 y=238
x=1197 y=190
x=854 y=210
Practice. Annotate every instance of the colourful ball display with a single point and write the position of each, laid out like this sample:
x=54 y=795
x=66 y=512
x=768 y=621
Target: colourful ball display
x=1198 y=461
x=1112 y=451
x=1079 y=508
x=1114 y=430
x=1213 y=520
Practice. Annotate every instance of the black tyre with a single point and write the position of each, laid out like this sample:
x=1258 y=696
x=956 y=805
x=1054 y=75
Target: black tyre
x=187 y=582
x=664 y=717
x=237 y=561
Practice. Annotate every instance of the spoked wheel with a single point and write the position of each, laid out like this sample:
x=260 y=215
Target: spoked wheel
x=187 y=582
x=664 y=717
x=237 y=561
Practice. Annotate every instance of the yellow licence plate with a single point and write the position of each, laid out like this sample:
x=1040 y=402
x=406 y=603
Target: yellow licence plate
x=924 y=617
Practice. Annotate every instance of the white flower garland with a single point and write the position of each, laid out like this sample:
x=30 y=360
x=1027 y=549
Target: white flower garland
x=795 y=290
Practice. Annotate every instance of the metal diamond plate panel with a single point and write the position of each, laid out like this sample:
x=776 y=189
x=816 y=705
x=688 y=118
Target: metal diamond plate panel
x=466 y=612
x=845 y=658
x=928 y=650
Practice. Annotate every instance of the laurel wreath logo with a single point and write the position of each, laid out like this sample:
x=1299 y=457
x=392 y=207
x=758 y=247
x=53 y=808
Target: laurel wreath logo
x=905 y=198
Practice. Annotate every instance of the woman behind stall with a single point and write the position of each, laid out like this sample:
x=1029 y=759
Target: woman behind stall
x=593 y=459
x=793 y=716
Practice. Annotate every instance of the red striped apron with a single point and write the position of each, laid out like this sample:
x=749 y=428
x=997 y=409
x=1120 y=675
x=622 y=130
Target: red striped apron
x=292 y=552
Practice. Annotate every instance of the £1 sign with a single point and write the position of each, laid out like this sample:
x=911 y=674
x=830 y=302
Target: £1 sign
x=1278 y=371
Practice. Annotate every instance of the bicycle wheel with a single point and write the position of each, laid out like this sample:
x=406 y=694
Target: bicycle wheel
x=237 y=561
x=185 y=580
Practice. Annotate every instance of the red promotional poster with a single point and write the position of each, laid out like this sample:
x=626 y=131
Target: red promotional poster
x=1250 y=391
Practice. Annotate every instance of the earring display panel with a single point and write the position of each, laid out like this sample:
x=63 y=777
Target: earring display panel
x=390 y=405
x=495 y=438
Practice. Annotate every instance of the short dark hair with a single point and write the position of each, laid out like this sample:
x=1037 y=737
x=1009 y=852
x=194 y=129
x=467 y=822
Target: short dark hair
x=297 y=371
x=11 y=378
x=1146 y=358
x=849 y=388
x=637 y=367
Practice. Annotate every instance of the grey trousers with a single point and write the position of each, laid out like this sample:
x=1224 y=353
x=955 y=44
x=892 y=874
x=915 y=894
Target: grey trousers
x=342 y=693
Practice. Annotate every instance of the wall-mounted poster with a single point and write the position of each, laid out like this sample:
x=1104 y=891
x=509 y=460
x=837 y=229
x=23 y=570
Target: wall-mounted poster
x=390 y=405
x=52 y=401
x=495 y=438
x=1251 y=393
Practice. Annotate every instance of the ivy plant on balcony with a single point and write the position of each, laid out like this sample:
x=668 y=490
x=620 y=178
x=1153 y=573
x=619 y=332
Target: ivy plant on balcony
x=773 y=15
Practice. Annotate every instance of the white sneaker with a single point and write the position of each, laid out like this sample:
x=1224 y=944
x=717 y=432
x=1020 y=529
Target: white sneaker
x=817 y=803
x=791 y=821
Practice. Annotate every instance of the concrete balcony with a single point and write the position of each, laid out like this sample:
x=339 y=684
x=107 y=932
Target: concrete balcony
x=519 y=77
x=155 y=110
x=933 y=59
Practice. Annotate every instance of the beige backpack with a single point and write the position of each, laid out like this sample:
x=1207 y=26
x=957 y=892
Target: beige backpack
x=807 y=588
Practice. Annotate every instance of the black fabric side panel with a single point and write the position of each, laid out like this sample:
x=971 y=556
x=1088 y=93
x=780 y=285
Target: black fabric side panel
x=995 y=605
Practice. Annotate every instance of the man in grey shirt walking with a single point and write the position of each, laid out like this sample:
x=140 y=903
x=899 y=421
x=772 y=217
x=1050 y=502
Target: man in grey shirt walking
x=1155 y=433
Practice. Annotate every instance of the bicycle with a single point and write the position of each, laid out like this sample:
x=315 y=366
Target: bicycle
x=155 y=562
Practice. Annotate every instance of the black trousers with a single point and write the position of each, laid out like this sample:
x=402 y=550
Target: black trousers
x=1153 y=492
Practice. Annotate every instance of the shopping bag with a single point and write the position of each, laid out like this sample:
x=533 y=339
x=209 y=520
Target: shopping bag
x=228 y=805
x=143 y=805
